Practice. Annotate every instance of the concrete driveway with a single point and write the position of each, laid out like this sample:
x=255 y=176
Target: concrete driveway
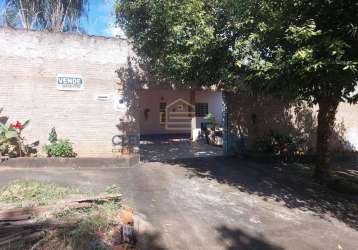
x=220 y=203
x=163 y=148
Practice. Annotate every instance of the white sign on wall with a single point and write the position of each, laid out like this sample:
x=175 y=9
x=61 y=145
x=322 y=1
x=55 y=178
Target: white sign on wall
x=103 y=97
x=70 y=82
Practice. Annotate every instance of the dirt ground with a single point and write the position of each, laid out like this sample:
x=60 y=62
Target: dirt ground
x=220 y=203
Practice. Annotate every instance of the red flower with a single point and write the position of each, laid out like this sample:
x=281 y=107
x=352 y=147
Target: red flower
x=17 y=125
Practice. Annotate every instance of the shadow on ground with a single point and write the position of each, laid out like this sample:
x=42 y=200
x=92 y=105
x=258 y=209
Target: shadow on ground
x=291 y=185
x=231 y=239
x=238 y=239
x=149 y=241
x=165 y=148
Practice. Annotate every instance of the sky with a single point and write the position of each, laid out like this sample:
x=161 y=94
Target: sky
x=100 y=19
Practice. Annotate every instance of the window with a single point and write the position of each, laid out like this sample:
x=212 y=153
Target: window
x=201 y=109
x=180 y=107
x=162 y=107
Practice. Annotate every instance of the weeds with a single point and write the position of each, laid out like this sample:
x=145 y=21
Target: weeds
x=26 y=192
x=95 y=224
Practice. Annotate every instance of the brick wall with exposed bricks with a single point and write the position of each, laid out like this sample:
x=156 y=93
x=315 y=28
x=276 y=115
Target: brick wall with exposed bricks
x=29 y=64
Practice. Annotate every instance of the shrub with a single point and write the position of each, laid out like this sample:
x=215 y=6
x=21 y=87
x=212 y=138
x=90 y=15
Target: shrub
x=52 y=136
x=60 y=148
x=278 y=144
x=12 y=142
x=210 y=119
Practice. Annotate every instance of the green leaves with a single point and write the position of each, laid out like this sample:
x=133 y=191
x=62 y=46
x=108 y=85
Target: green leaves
x=10 y=134
x=179 y=40
x=311 y=53
x=58 y=147
x=7 y=131
x=25 y=124
x=61 y=148
x=304 y=50
x=351 y=66
x=3 y=128
x=303 y=32
x=303 y=54
x=52 y=136
x=11 y=139
x=301 y=49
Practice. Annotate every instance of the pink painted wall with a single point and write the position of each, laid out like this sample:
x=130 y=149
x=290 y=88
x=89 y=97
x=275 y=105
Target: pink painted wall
x=214 y=100
x=151 y=99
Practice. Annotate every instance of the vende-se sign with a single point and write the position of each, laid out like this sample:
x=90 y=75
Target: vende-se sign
x=70 y=82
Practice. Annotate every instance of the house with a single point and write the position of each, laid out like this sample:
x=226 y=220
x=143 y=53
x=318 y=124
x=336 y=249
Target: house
x=164 y=111
x=88 y=89
x=73 y=83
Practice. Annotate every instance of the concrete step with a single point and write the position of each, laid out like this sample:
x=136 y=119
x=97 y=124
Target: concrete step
x=38 y=162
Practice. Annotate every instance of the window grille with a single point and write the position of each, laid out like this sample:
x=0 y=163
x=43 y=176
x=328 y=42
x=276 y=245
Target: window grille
x=162 y=108
x=201 y=109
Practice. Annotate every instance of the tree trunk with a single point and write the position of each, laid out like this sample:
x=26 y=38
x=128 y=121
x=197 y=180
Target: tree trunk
x=326 y=118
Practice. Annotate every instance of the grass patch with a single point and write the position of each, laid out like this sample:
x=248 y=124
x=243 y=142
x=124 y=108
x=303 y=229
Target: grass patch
x=26 y=192
x=95 y=224
x=94 y=229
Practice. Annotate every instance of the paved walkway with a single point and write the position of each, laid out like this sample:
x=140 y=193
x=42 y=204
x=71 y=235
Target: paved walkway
x=219 y=203
x=164 y=149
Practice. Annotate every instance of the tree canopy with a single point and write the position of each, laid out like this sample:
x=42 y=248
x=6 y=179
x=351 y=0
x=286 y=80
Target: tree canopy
x=308 y=44
x=303 y=49
x=307 y=49
x=180 y=40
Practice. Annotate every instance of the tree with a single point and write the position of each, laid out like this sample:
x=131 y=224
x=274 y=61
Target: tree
x=64 y=15
x=53 y=15
x=27 y=11
x=301 y=49
x=177 y=40
x=307 y=50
